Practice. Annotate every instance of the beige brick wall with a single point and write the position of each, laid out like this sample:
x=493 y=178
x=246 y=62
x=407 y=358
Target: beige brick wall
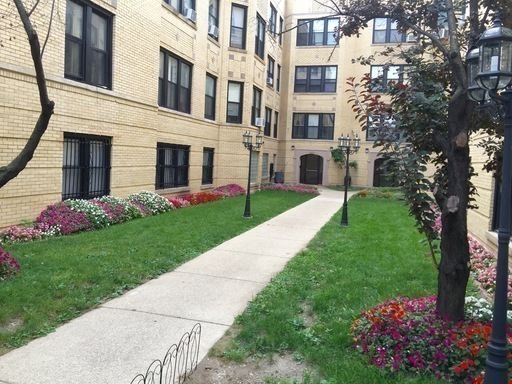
x=129 y=112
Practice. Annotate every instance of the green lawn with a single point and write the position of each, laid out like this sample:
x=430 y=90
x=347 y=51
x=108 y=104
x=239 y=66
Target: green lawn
x=66 y=276
x=309 y=308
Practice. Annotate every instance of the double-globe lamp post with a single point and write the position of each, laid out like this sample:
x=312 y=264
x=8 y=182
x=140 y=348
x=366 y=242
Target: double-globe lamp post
x=248 y=144
x=489 y=70
x=344 y=145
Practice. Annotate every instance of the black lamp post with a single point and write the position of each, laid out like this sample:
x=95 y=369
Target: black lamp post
x=489 y=77
x=344 y=145
x=250 y=146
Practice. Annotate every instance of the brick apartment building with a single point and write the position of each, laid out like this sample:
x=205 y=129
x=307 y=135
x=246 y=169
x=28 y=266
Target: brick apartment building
x=156 y=95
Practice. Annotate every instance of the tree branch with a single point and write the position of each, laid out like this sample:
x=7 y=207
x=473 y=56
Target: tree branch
x=9 y=172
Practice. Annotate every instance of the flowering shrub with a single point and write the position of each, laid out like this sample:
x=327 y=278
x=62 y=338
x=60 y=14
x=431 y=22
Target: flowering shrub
x=96 y=216
x=8 y=265
x=118 y=210
x=203 y=197
x=408 y=335
x=78 y=215
x=231 y=190
x=17 y=234
x=178 y=202
x=298 y=188
x=62 y=219
x=150 y=203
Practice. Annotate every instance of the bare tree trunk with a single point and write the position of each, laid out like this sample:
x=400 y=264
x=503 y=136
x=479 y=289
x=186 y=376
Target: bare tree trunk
x=454 y=267
x=10 y=171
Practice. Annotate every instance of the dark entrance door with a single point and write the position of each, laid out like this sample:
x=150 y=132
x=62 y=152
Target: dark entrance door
x=381 y=177
x=311 y=169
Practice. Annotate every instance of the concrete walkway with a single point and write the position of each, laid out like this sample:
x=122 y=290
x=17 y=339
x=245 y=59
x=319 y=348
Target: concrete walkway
x=118 y=340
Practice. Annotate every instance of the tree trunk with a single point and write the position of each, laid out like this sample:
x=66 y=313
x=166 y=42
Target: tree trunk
x=455 y=264
x=10 y=171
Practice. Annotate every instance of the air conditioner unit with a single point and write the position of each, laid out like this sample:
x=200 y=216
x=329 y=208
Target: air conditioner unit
x=270 y=81
x=260 y=122
x=411 y=38
x=213 y=31
x=191 y=14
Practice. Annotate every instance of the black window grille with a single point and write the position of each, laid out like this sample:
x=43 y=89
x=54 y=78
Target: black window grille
x=85 y=166
x=172 y=163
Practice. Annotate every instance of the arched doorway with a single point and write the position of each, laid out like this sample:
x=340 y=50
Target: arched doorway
x=381 y=177
x=311 y=169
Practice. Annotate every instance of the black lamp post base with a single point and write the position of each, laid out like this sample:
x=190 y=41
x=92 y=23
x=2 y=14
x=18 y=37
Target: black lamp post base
x=247 y=211
x=344 y=215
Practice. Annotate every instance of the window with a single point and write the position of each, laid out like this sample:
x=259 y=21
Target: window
x=315 y=79
x=276 y=119
x=234 y=113
x=213 y=18
x=259 y=44
x=281 y=21
x=253 y=177
x=207 y=177
x=316 y=32
x=270 y=71
x=264 y=166
x=174 y=83
x=278 y=78
x=268 y=121
x=185 y=7
x=273 y=20
x=88 y=49
x=382 y=74
x=210 y=97
x=85 y=166
x=256 y=105
x=385 y=31
x=171 y=165
x=313 y=126
x=383 y=127
x=238 y=23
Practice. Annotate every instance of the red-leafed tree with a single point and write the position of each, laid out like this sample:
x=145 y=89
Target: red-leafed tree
x=434 y=115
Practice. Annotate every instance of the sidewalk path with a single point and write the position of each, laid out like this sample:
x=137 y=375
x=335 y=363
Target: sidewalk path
x=118 y=340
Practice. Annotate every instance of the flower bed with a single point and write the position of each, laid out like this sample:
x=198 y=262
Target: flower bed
x=8 y=265
x=408 y=335
x=290 y=187
x=72 y=216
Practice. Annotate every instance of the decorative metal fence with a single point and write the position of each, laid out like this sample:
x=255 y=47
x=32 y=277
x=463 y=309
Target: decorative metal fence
x=178 y=364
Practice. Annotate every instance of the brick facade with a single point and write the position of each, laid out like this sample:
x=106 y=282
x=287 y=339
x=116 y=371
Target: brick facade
x=129 y=111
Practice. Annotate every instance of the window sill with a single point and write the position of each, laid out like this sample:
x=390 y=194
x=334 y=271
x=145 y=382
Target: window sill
x=493 y=238
x=167 y=191
x=207 y=186
x=239 y=50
